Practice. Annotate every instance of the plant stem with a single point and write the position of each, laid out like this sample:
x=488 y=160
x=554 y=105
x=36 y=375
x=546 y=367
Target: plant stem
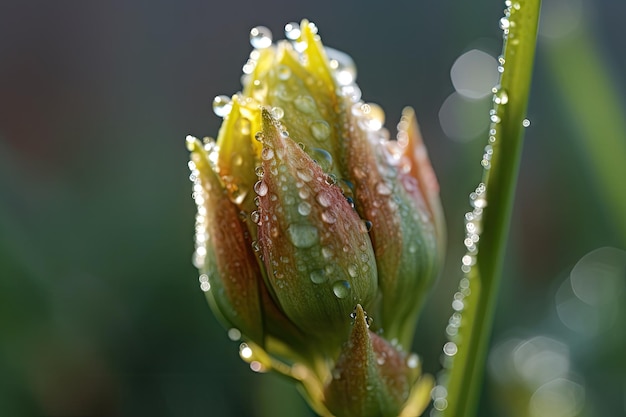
x=487 y=225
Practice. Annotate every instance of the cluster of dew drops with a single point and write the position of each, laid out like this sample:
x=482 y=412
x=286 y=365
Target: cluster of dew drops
x=473 y=224
x=370 y=118
x=341 y=64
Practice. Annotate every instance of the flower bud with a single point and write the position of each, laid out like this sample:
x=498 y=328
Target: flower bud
x=317 y=253
x=372 y=378
x=306 y=209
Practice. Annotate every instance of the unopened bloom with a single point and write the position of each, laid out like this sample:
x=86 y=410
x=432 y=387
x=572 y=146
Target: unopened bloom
x=308 y=217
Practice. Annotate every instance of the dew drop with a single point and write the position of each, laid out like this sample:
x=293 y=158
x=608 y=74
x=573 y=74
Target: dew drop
x=234 y=334
x=324 y=198
x=352 y=270
x=205 y=286
x=450 y=349
x=259 y=171
x=267 y=154
x=320 y=129
x=222 y=106
x=258 y=136
x=292 y=31
x=505 y=24
x=302 y=235
x=318 y=276
x=344 y=69
x=260 y=37
x=413 y=361
x=329 y=217
x=376 y=116
x=304 y=208
x=255 y=216
x=501 y=97
x=368 y=225
x=526 y=122
x=331 y=179
x=261 y=188
x=352 y=92
x=305 y=174
x=323 y=158
x=248 y=67
x=341 y=288
x=277 y=113
x=305 y=104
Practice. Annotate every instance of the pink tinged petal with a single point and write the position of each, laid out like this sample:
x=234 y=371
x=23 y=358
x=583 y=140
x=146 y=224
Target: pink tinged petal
x=370 y=378
x=421 y=169
x=232 y=269
x=403 y=233
x=317 y=253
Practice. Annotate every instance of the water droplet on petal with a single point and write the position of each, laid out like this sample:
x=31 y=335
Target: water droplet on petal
x=261 y=188
x=305 y=104
x=304 y=208
x=222 y=106
x=260 y=37
x=352 y=270
x=375 y=116
x=267 y=154
x=526 y=122
x=329 y=217
x=323 y=158
x=344 y=69
x=318 y=276
x=292 y=31
x=341 y=289
x=305 y=174
x=324 y=198
x=320 y=129
x=352 y=92
x=277 y=113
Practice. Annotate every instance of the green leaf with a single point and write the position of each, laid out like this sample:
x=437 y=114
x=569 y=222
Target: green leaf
x=487 y=225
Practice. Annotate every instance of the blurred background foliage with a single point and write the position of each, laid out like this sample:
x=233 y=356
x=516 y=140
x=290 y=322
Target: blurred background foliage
x=100 y=308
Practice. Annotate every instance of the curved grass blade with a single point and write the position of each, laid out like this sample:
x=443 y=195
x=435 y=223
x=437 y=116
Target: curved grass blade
x=487 y=225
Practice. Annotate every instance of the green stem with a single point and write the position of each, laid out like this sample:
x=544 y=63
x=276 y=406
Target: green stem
x=488 y=223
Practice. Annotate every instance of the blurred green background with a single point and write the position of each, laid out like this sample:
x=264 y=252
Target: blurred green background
x=101 y=313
